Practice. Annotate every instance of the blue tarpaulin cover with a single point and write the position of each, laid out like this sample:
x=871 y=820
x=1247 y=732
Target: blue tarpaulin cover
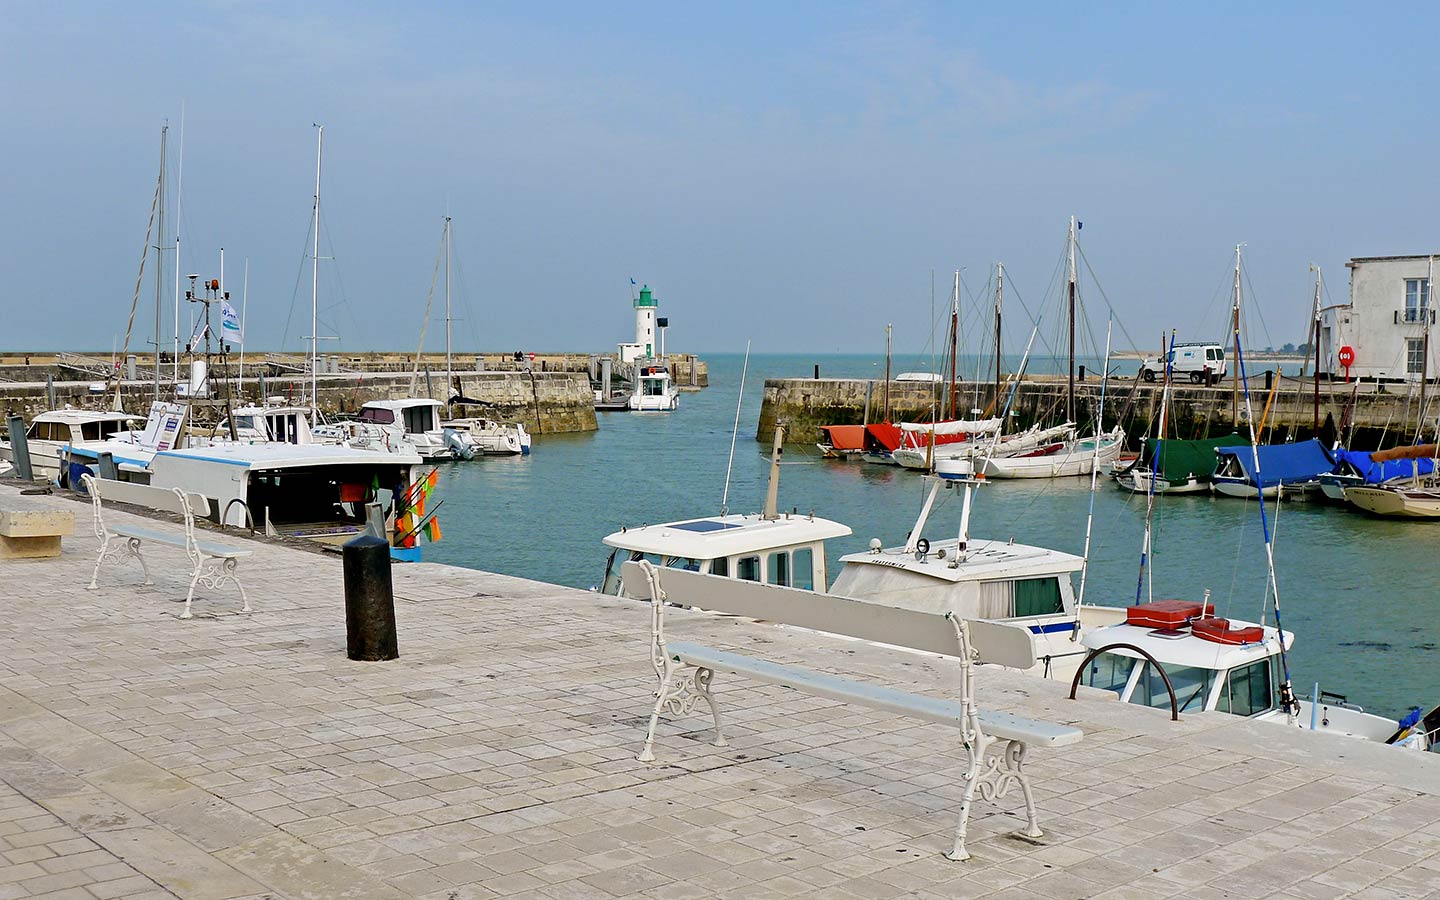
x=1361 y=464
x=1283 y=463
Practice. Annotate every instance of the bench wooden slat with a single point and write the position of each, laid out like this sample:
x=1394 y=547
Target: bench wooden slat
x=999 y=643
x=1005 y=726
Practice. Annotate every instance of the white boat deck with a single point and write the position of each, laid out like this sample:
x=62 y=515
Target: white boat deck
x=236 y=756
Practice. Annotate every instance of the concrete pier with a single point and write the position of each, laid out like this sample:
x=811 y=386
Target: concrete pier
x=244 y=756
x=1197 y=411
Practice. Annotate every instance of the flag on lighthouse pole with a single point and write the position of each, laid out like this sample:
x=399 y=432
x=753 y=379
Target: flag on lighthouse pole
x=230 y=329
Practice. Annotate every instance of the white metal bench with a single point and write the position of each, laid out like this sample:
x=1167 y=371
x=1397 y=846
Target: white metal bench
x=686 y=671
x=212 y=564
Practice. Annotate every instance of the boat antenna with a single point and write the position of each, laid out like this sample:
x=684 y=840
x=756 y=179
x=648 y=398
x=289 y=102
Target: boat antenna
x=1155 y=469
x=1094 y=477
x=1287 y=694
x=734 y=433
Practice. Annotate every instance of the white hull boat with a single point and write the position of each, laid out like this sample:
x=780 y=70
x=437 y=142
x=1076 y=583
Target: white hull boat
x=1078 y=457
x=1396 y=502
x=493 y=438
x=51 y=432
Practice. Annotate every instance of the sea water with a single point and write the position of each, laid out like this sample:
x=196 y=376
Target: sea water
x=1358 y=592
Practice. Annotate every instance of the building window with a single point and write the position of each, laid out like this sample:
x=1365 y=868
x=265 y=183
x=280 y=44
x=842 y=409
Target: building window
x=1417 y=297
x=1414 y=355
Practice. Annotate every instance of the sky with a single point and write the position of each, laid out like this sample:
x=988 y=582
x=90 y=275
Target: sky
x=786 y=174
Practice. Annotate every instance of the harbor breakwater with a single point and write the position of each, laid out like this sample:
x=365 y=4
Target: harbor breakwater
x=545 y=402
x=1373 y=415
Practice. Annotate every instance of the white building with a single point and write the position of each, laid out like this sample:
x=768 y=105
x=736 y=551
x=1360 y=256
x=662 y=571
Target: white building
x=1384 y=323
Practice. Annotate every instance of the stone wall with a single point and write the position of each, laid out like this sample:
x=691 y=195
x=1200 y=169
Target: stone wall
x=546 y=402
x=1372 y=418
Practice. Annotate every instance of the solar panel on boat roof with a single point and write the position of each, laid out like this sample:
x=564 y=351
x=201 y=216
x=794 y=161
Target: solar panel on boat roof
x=704 y=526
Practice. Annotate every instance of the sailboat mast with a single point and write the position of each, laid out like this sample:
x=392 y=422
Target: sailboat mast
x=1070 y=389
x=1235 y=329
x=160 y=261
x=888 y=326
x=179 y=216
x=315 y=276
x=1315 y=342
x=449 y=369
x=954 y=338
x=999 y=307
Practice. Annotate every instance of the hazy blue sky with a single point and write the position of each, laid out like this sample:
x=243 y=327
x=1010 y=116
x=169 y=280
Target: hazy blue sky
x=786 y=172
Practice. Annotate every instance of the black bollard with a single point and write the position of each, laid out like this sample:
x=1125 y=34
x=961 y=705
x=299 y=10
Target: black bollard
x=1082 y=374
x=1269 y=379
x=369 y=600
x=817 y=371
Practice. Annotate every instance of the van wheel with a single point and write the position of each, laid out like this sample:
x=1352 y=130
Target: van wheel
x=1147 y=374
x=1196 y=378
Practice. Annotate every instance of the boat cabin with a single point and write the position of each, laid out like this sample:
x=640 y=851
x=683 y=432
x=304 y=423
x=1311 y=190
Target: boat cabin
x=788 y=550
x=1213 y=664
x=280 y=424
x=415 y=415
x=306 y=490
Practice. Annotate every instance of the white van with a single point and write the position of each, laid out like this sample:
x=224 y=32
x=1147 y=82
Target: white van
x=1204 y=363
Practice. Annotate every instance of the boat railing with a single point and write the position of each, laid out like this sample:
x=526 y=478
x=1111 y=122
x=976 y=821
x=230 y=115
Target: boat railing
x=1075 y=684
x=225 y=516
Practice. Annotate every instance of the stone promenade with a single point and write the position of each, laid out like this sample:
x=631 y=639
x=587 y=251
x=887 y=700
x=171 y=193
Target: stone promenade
x=243 y=756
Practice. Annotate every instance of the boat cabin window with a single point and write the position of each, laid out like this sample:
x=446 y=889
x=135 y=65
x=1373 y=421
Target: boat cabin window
x=720 y=566
x=778 y=569
x=802 y=561
x=682 y=562
x=99 y=431
x=244 y=421
x=747 y=568
x=1192 y=686
x=377 y=416
x=1110 y=672
x=1038 y=597
x=1247 y=690
x=48 y=431
x=280 y=429
x=419 y=419
x=652 y=387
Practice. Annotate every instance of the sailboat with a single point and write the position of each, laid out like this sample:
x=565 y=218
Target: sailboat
x=469 y=435
x=1073 y=455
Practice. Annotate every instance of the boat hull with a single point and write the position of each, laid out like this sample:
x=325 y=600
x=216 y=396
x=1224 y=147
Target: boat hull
x=1402 y=504
x=1074 y=459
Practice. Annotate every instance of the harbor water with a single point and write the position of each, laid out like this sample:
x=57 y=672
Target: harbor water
x=1358 y=592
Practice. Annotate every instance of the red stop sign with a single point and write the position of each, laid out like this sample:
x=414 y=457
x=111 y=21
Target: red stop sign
x=1347 y=356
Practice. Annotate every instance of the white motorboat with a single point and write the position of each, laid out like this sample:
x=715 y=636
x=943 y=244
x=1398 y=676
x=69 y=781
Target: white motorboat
x=1228 y=666
x=403 y=426
x=299 y=490
x=492 y=438
x=923 y=456
x=1079 y=456
x=653 y=390
x=979 y=579
x=51 y=432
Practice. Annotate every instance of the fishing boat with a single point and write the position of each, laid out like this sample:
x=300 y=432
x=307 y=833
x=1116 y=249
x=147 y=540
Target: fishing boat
x=51 y=432
x=653 y=390
x=1229 y=666
x=1357 y=468
x=1289 y=469
x=1185 y=467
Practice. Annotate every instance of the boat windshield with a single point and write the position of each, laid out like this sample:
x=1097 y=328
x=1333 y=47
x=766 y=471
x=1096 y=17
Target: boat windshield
x=653 y=387
x=1191 y=684
x=99 y=431
x=377 y=415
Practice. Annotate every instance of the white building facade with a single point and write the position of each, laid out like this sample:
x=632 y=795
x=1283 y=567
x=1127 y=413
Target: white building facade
x=1385 y=322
